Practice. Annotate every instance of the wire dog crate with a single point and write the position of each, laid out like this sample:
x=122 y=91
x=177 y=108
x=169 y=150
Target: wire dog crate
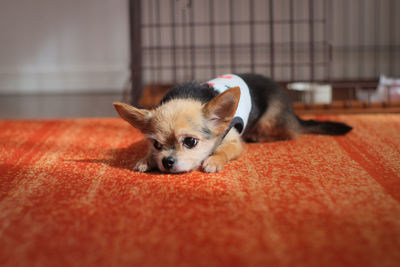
x=347 y=44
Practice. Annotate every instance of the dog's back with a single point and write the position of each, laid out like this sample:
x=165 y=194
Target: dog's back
x=272 y=116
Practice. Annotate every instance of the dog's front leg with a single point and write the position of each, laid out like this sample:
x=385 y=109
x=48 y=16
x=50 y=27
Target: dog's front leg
x=230 y=148
x=147 y=163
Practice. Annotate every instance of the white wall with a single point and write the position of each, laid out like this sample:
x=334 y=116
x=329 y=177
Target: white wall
x=63 y=46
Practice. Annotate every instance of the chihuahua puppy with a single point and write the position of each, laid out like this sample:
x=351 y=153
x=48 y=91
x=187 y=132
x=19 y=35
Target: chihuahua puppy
x=203 y=124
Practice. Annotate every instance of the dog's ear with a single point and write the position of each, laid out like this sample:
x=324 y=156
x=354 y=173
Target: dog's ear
x=221 y=109
x=138 y=118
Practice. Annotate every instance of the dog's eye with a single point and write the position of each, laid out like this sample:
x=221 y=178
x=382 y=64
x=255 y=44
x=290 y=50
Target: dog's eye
x=157 y=145
x=190 y=142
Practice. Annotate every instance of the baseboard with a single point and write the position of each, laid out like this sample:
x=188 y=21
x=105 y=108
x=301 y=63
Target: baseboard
x=84 y=80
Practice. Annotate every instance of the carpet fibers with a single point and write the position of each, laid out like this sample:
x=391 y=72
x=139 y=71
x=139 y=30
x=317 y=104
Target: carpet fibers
x=69 y=197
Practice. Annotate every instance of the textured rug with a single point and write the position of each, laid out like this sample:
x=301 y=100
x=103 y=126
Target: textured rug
x=69 y=197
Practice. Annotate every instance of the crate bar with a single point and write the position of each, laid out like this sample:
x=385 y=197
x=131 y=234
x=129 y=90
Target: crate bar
x=185 y=47
x=361 y=32
x=392 y=54
x=231 y=37
x=192 y=42
x=366 y=47
x=212 y=39
x=291 y=40
x=151 y=31
x=173 y=36
x=271 y=37
x=135 y=50
x=159 y=72
x=243 y=65
x=312 y=45
x=251 y=26
x=346 y=26
x=305 y=45
x=377 y=37
x=244 y=22
x=329 y=16
x=392 y=33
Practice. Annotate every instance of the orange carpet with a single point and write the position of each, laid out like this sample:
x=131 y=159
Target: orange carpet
x=68 y=197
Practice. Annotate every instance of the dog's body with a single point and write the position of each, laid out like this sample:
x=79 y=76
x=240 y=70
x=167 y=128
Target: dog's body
x=194 y=124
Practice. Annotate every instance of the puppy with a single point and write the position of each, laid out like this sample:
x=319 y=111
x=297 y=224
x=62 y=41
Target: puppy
x=204 y=124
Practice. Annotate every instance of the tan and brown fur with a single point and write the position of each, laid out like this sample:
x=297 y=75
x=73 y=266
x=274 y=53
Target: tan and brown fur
x=170 y=123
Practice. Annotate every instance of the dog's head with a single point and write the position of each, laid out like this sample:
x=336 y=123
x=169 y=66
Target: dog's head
x=183 y=132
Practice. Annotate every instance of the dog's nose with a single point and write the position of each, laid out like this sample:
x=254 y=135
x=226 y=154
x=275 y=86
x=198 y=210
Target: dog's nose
x=168 y=162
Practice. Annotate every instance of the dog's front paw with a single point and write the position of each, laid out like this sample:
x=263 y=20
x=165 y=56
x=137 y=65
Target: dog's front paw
x=142 y=166
x=214 y=163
